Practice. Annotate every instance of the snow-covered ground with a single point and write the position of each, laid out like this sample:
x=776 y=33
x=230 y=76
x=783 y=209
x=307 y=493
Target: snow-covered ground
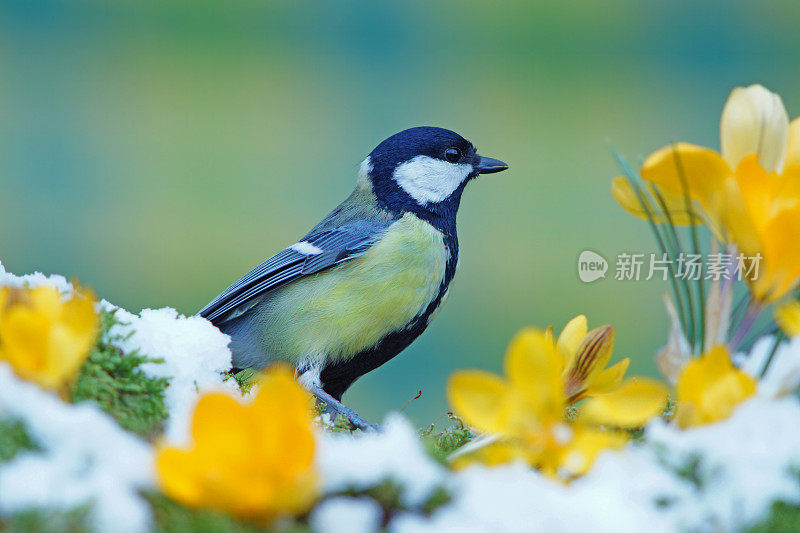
x=719 y=477
x=84 y=457
x=743 y=465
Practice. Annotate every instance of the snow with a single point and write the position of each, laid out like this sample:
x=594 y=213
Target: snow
x=363 y=461
x=37 y=279
x=738 y=466
x=195 y=355
x=448 y=522
x=747 y=462
x=515 y=498
x=783 y=373
x=346 y=515
x=85 y=458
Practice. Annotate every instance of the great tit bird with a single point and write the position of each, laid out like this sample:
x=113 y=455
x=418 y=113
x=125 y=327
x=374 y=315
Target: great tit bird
x=367 y=280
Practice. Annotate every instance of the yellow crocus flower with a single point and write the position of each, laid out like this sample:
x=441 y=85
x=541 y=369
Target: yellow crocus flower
x=710 y=387
x=748 y=195
x=526 y=409
x=585 y=355
x=44 y=337
x=255 y=461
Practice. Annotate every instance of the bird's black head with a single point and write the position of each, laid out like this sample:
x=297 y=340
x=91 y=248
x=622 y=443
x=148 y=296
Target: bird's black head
x=424 y=170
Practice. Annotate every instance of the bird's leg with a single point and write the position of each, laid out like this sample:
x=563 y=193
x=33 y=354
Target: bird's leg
x=335 y=407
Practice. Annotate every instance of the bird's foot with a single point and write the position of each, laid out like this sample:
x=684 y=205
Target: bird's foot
x=336 y=408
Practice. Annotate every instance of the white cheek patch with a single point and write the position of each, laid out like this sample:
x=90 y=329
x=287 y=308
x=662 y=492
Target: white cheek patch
x=306 y=248
x=428 y=180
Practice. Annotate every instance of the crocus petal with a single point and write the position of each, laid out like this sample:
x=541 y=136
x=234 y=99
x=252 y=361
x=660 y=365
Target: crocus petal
x=532 y=363
x=179 y=475
x=592 y=356
x=289 y=400
x=675 y=204
x=632 y=405
x=710 y=387
x=609 y=379
x=46 y=300
x=793 y=148
x=285 y=411
x=735 y=218
x=787 y=316
x=754 y=120
x=787 y=187
x=626 y=196
x=480 y=398
x=766 y=193
x=221 y=427
x=548 y=334
x=680 y=166
x=571 y=337
x=26 y=340
x=781 y=266
x=597 y=347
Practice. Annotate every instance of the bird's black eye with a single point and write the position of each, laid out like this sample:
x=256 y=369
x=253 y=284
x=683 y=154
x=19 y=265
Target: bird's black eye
x=452 y=155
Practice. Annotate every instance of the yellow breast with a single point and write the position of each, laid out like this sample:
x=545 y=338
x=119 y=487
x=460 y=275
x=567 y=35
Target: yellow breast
x=346 y=309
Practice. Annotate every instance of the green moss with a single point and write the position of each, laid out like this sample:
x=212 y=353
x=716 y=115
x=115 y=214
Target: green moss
x=341 y=425
x=387 y=494
x=171 y=517
x=114 y=381
x=13 y=439
x=783 y=518
x=245 y=379
x=442 y=443
x=440 y=497
x=39 y=521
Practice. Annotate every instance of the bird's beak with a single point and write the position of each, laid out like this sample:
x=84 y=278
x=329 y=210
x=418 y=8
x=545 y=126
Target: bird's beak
x=487 y=165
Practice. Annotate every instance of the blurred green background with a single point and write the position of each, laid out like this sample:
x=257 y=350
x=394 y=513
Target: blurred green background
x=157 y=150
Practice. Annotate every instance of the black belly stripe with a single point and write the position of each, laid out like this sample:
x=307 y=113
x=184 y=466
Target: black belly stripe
x=337 y=377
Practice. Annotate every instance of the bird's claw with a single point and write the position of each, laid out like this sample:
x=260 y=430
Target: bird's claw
x=336 y=408
x=355 y=421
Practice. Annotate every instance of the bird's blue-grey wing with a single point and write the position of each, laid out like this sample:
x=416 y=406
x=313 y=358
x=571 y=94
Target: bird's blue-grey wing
x=316 y=252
